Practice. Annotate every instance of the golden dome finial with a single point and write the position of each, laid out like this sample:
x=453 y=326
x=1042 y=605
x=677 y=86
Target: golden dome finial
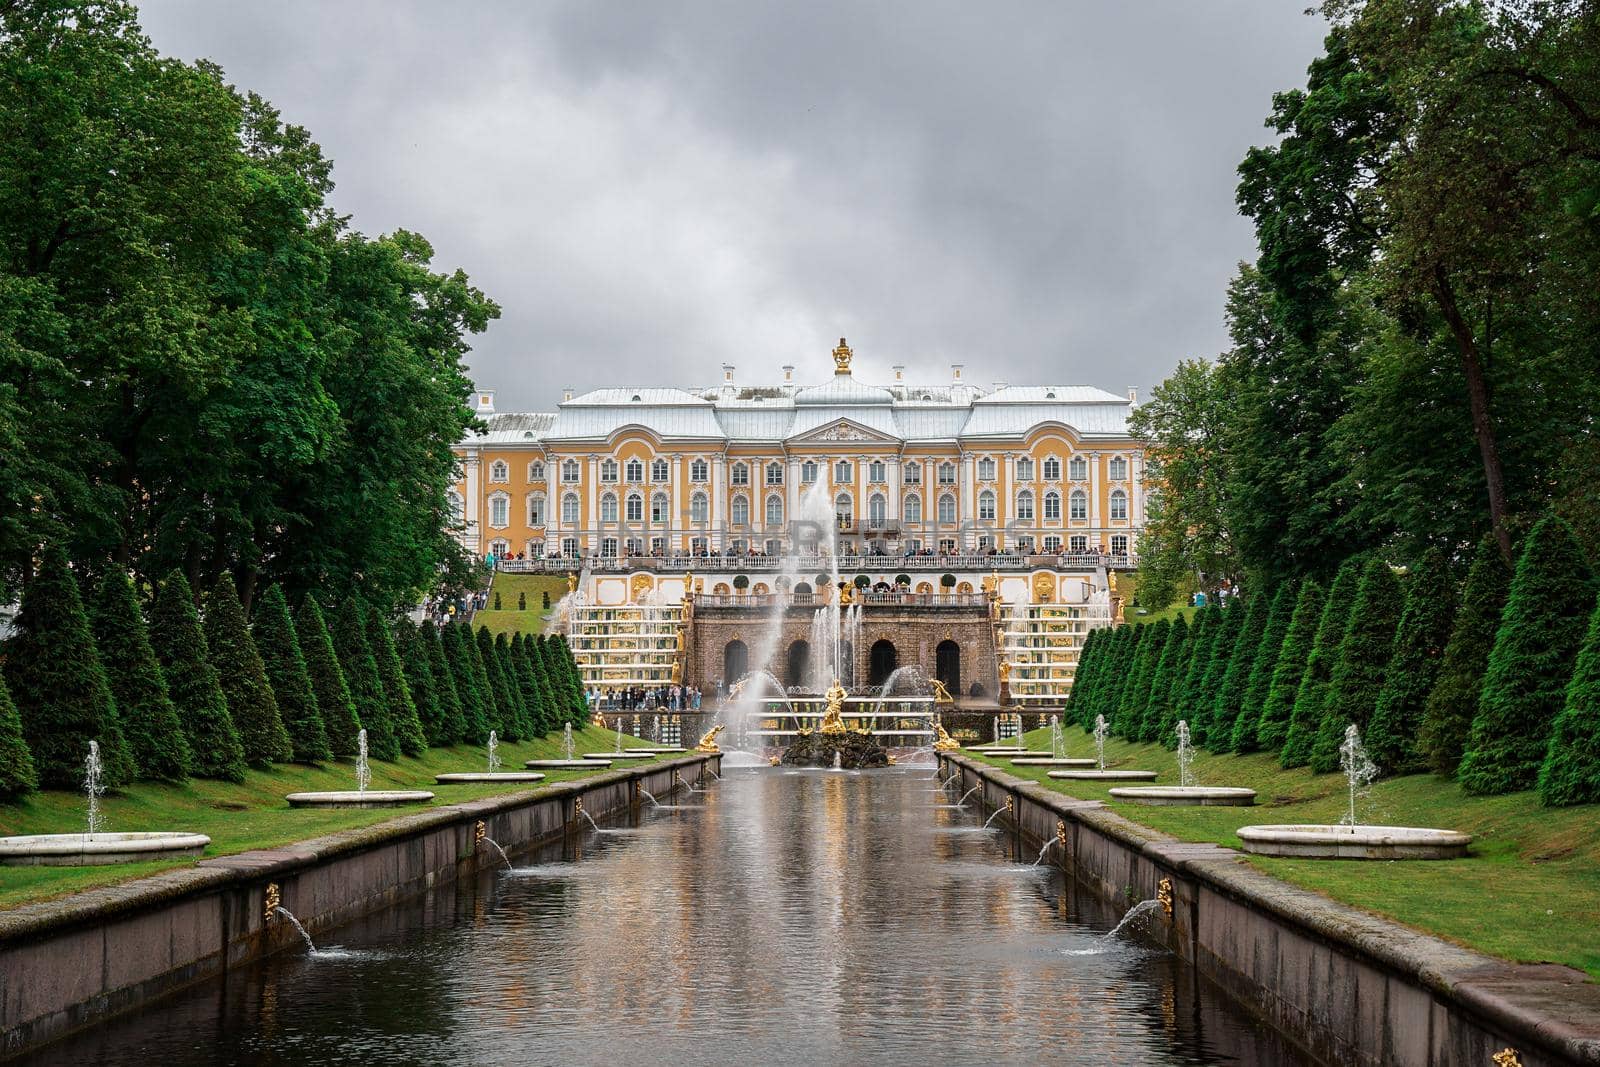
x=841 y=358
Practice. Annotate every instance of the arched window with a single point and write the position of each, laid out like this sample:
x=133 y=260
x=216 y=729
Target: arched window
x=986 y=469
x=635 y=471
x=876 y=471
x=1052 y=506
x=912 y=508
x=499 y=510
x=634 y=507
x=536 y=471
x=697 y=471
x=947 y=474
x=1119 y=504
x=1118 y=469
x=739 y=474
x=774 y=473
x=658 y=470
x=569 y=470
x=699 y=508
x=1024 y=469
x=499 y=548
x=844 y=509
x=843 y=472
x=877 y=510
x=986 y=505
x=458 y=507
x=499 y=471
x=774 y=510
x=535 y=509
x=741 y=511
x=808 y=471
x=569 y=510
x=912 y=473
x=608 y=470
x=947 y=508
x=1025 y=505
x=1079 y=505
x=1078 y=469
x=1052 y=469
x=658 y=508
x=608 y=508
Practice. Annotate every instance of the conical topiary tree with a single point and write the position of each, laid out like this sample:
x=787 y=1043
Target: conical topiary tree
x=1571 y=770
x=215 y=750
x=1169 y=667
x=361 y=675
x=1265 y=663
x=1203 y=703
x=517 y=724
x=493 y=707
x=244 y=679
x=1358 y=673
x=339 y=719
x=145 y=712
x=1202 y=638
x=1236 y=679
x=418 y=667
x=403 y=718
x=1391 y=737
x=18 y=776
x=1273 y=727
x=1547 y=611
x=1306 y=717
x=290 y=679
x=505 y=711
x=1136 y=695
x=1453 y=702
x=549 y=712
x=58 y=684
x=571 y=683
x=527 y=684
x=1083 y=678
x=460 y=648
x=452 y=727
x=1109 y=699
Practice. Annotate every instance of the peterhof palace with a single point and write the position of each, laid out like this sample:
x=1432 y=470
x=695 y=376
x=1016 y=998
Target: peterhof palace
x=976 y=531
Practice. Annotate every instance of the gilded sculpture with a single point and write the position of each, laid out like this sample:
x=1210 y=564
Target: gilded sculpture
x=708 y=742
x=841 y=358
x=942 y=741
x=833 y=719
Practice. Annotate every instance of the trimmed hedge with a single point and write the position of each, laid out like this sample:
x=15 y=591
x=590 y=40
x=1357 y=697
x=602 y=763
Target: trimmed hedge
x=18 y=775
x=145 y=711
x=1312 y=694
x=1453 y=702
x=1290 y=667
x=243 y=678
x=1247 y=727
x=1364 y=653
x=1570 y=773
x=339 y=719
x=215 y=750
x=290 y=679
x=1391 y=738
x=361 y=675
x=402 y=709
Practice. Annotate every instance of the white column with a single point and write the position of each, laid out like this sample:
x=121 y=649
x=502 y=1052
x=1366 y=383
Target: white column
x=1136 y=491
x=893 y=514
x=791 y=492
x=675 y=523
x=1094 y=500
x=552 y=505
x=719 y=490
x=969 y=508
x=473 y=505
x=592 y=485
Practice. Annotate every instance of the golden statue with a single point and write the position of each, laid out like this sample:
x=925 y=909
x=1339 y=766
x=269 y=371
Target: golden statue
x=688 y=586
x=832 y=720
x=941 y=695
x=677 y=672
x=841 y=358
x=845 y=594
x=943 y=742
x=572 y=583
x=774 y=760
x=1005 y=672
x=708 y=743
x=597 y=719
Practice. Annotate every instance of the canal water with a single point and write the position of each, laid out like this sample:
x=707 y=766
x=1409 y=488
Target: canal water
x=781 y=917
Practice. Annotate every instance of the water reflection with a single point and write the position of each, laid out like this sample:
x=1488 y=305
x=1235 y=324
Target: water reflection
x=811 y=917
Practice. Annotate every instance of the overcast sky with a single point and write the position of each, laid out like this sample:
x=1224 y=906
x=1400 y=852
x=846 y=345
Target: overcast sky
x=1043 y=192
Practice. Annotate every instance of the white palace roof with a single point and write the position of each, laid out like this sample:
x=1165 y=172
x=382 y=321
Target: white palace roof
x=777 y=414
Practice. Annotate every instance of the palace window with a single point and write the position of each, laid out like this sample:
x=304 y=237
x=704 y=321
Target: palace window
x=608 y=508
x=774 y=473
x=569 y=547
x=947 y=508
x=608 y=547
x=535 y=509
x=1025 y=505
x=698 y=471
x=947 y=474
x=1025 y=545
x=569 y=470
x=635 y=471
x=499 y=511
x=658 y=470
x=499 y=548
x=1119 y=544
x=1024 y=469
x=985 y=542
x=1078 y=505
x=458 y=508
x=699 y=508
x=658 y=546
x=1119 y=504
x=808 y=472
x=536 y=471
x=1079 y=543
x=913 y=508
x=844 y=508
x=986 y=469
x=843 y=472
x=634 y=546
x=986 y=505
x=947 y=546
x=658 y=508
x=877 y=510
x=740 y=475
x=1052 y=506
x=741 y=511
x=634 y=507
x=1052 y=469
x=569 y=510
x=774 y=510
x=1052 y=545
x=608 y=470
x=913 y=473
x=876 y=471
x=1118 y=469
x=1078 y=469
x=698 y=546
x=499 y=471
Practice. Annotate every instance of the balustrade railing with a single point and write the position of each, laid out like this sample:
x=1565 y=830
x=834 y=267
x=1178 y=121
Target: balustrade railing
x=809 y=566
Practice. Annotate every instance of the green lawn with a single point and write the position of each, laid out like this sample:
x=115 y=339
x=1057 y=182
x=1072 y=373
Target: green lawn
x=508 y=620
x=1529 y=891
x=253 y=814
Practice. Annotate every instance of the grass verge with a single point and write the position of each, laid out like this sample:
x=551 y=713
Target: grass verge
x=508 y=619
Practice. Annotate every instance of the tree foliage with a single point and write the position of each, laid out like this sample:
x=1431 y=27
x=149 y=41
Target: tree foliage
x=1358 y=671
x=1306 y=717
x=334 y=703
x=215 y=750
x=1430 y=606
x=1263 y=665
x=243 y=678
x=1452 y=703
x=145 y=711
x=1278 y=708
x=360 y=669
x=290 y=678
x=18 y=775
x=1570 y=773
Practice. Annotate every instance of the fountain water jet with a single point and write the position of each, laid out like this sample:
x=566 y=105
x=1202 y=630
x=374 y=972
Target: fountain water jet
x=1100 y=773
x=493 y=774
x=1186 y=793
x=567 y=760
x=361 y=796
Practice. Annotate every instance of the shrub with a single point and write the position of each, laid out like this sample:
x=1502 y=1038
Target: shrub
x=517 y=718
x=1236 y=679
x=1109 y=697
x=1448 y=712
x=1201 y=706
x=244 y=679
x=1136 y=694
x=1083 y=676
x=569 y=682
x=458 y=648
x=403 y=718
x=1306 y=717
x=1524 y=688
x=418 y=667
x=215 y=750
x=1571 y=770
x=521 y=668
x=1168 y=671
x=451 y=724
x=741 y=582
x=497 y=600
x=902 y=579
x=947 y=580
x=361 y=675
x=862 y=581
x=505 y=721
x=522 y=600
x=1265 y=661
x=18 y=775
x=1290 y=667
x=1202 y=640
x=549 y=706
x=291 y=681
x=1357 y=675
x=1418 y=651
x=339 y=719
x=145 y=712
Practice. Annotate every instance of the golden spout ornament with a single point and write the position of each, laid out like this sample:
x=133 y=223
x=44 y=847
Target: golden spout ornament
x=941 y=695
x=1061 y=835
x=832 y=719
x=943 y=742
x=708 y=742
x=1164 y=895
x=479 y=832
x=274 y=900
x=1506 y=1057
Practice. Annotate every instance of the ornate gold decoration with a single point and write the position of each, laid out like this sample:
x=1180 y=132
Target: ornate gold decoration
x=1061 y=835
x=846 y=594
x=577 y=808
x=1044 y=588
x=274 y=901
x=677 y=672
x=843 y=431
x=890 y=757
x=572 y=583
x=479 y=832
x=641 y=585
x=841 y=358
x=942 y=741
x=774 y=760
x=941 y=695
x=1164 y=895
x=708 y=742
x=1005 y=671
x=597 y=719
x=1506 y=1057
x=832 y=720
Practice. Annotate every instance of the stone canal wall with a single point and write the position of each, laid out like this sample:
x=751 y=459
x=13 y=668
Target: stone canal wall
x=1349 y=987
x=67 y=963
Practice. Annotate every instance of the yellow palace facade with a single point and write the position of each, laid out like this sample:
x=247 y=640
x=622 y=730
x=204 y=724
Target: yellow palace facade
x=953 y=469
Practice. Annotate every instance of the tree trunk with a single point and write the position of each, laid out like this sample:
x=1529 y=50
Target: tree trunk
x=1478 y=397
